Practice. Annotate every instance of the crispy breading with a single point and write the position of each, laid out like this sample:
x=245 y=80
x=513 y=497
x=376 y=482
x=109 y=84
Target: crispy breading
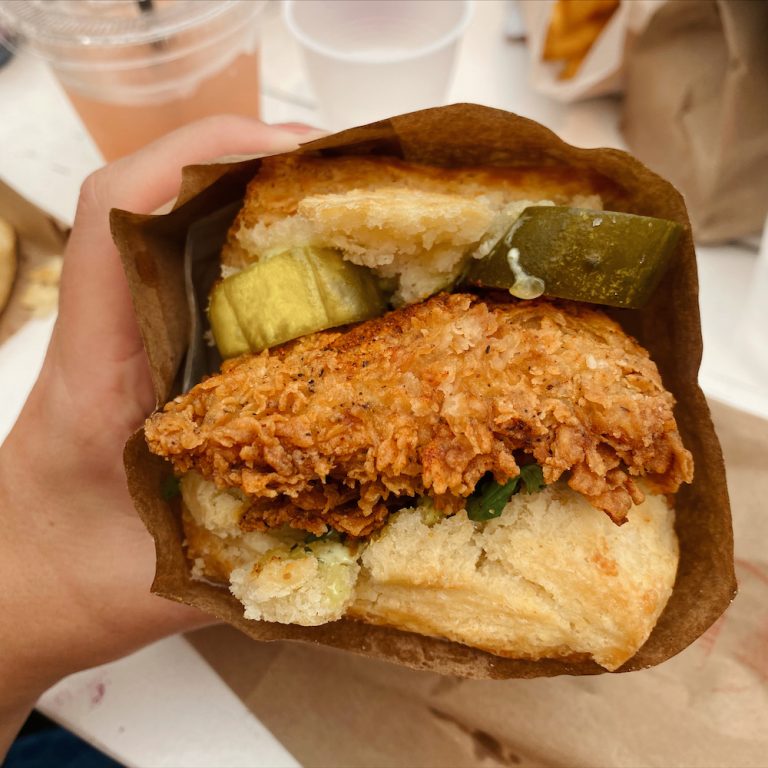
x=339 y=428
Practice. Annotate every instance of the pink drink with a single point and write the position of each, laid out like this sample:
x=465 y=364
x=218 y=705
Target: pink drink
x=135 y=71
x=119 y=129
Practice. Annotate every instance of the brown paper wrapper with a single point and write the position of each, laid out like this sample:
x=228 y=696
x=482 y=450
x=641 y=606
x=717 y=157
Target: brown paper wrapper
x=152 y=248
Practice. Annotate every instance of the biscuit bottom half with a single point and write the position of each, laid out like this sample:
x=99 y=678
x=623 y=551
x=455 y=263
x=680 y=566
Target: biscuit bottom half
x=551 y=577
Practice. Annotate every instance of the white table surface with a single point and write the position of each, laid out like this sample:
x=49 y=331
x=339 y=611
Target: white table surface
x=45 y=154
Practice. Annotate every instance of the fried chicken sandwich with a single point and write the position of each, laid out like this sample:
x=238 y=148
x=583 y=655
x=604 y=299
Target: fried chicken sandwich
x=425 y=418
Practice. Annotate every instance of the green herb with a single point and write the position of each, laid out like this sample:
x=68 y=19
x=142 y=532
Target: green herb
x=532 y=477
x=490 y=498
x=170 y=488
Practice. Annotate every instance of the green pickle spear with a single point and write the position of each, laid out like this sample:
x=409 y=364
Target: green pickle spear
x=572 y=253
x=289 y=295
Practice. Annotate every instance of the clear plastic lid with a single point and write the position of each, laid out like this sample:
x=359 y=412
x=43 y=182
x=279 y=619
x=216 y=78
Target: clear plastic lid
x=110 y=22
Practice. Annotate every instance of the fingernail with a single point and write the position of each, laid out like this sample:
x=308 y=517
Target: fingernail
x=301 y=128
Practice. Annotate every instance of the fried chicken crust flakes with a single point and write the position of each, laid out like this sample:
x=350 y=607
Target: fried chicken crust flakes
x=340 y=429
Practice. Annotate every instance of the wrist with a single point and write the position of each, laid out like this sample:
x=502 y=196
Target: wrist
x=76 y=569
x=31 y=585
x=77 y=562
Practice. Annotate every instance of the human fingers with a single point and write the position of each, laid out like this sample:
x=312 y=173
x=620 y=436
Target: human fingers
x=94 y=299
x=143 y=181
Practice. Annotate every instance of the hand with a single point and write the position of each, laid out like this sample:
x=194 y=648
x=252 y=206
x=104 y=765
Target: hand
x=76 y=562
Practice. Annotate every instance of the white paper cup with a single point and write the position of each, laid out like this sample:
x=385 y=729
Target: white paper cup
x=369 y=59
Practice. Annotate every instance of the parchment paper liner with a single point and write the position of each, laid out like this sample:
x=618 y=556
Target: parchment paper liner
x=463 y=134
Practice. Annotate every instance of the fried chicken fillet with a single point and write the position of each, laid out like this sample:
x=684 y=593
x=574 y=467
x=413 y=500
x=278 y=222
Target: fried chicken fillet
x=341 y=428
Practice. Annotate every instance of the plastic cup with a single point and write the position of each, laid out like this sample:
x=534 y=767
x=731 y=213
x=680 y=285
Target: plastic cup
x=374 y=58
x=136 y=70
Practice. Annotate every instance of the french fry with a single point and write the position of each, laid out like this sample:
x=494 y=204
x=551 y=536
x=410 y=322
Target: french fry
x=573 y=45
x=570 y=68
x=573 y=29
x=576 y=12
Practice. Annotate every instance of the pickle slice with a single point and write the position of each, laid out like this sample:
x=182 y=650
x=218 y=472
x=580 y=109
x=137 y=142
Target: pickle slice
x=229 y=337
x=597 y=256
x=288 y=295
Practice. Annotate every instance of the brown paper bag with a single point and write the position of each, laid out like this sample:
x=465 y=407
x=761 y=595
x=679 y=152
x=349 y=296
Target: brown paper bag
x=152 y=248
x=41 y=239
x=696 y=110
